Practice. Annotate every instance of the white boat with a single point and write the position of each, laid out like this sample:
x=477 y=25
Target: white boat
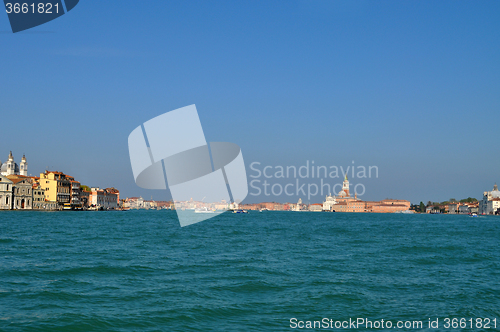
x=203 y=210
x=240 y=211
x=406 y=212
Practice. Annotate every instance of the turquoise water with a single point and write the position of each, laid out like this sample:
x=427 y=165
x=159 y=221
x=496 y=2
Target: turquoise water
x=139 y=271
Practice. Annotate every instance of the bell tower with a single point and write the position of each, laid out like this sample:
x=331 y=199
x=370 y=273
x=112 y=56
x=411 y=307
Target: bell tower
x=11 y=165
x=345 y=186
x=23 y=167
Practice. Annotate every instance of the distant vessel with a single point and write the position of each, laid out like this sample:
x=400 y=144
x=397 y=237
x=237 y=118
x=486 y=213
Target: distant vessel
x=240 y=211
x=474 y=214
x=406 y=212
x=203 y=210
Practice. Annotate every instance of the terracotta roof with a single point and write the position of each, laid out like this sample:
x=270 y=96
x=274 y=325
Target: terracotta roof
x=14 y=176
x=16 y=180
x=54 y=172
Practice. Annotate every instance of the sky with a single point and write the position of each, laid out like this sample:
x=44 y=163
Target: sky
x=411 y=87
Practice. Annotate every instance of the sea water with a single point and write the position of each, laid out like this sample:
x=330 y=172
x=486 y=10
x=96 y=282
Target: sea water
x=269 y=271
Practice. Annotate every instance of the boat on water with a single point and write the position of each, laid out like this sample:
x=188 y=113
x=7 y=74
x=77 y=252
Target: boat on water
x=406 y=212
x=240 y=211
x=204 y=210
x=473 y=214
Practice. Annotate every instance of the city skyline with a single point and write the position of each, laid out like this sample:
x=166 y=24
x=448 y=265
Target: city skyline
x=408 y=87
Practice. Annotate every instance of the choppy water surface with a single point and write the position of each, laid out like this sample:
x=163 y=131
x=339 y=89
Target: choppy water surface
x=139 y=271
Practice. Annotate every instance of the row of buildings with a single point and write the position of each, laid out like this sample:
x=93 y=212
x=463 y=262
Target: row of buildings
x=50 y=191
x=489 y=204
x=343 y=202
x=136 y=203
x=454 y=208
x=139 y=203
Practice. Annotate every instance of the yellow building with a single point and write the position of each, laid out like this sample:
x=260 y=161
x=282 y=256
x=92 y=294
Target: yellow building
x=57 y=187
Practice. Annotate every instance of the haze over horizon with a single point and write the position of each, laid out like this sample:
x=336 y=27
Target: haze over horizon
x=411 y=88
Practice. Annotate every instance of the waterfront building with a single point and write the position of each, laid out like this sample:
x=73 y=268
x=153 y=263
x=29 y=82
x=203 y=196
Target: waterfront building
x=453 y=208
x=330 y=201
x=5 y=193
x=57 y=186
x=344 y=202
x=474 y=208
x=493 y=206
x=223 y=205
x=388 y=206
x=151 y=205
x=134 y=203
x=463 y=209
x=75 y=193
x=115 y=191
x=84 y=198
x=352 y=205
x=39 y=202
x=168 y=205
x=489 y=204
x=103 y=198
x=38 y=197
x=22 y=192
x=298 y=207
x=316 y=207
x=11 y=168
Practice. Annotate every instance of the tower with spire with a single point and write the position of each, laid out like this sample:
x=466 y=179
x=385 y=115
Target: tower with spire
x=24 y=166
x=345 y=186
x=11 y=165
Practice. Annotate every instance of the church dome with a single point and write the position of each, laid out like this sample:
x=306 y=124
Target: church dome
x=4 y=168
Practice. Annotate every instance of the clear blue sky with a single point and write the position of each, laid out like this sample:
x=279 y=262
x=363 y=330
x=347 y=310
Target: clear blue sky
x=409 y=86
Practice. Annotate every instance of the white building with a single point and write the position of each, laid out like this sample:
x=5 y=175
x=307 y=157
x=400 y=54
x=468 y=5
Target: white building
x=329 y=202
x=490 y=202
x=5 y=193
x=298 y=207
x=103 y=198
x=134 y=203
x=316 y=207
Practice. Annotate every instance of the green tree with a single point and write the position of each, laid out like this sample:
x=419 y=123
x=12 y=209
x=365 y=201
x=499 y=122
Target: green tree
x=422 y=207
x=468 y=200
